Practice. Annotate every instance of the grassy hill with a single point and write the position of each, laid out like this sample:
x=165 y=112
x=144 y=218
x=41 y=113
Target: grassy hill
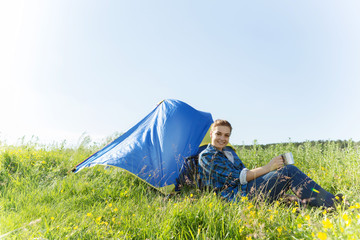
x=39 y=199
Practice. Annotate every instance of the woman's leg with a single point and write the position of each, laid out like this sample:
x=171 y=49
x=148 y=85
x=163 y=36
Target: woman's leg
x=275 y=184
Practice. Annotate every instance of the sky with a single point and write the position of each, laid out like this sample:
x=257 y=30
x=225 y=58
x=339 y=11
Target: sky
x=279 y=71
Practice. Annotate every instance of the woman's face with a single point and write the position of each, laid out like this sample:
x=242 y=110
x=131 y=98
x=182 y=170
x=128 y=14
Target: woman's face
x=220 y=136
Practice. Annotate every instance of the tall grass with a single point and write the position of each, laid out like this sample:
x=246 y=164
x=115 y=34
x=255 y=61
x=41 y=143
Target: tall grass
x=40 y=199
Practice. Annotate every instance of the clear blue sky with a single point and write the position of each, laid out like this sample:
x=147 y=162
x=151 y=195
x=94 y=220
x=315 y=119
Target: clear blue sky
x=275 y=69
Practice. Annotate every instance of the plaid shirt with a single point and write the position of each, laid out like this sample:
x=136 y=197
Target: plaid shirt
x=218 y=172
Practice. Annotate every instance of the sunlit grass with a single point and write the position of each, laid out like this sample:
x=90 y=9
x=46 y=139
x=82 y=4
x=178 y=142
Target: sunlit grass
x=40 y=199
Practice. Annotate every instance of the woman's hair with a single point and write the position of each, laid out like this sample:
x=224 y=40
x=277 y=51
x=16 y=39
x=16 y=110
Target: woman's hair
x=221 y=122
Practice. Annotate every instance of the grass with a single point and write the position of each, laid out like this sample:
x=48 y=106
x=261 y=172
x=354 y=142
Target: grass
x=40 y=200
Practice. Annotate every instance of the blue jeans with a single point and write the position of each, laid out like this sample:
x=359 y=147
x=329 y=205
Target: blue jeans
x=275 y=184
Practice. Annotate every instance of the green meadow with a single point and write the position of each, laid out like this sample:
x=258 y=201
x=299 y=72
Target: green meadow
x=40 y=199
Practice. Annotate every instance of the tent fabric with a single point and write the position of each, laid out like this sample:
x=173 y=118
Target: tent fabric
x=155 y=148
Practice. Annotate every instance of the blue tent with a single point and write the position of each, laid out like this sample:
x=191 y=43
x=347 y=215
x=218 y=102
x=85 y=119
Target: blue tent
x=155 y=148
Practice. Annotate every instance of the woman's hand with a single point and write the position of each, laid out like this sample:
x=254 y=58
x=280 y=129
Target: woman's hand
x=275 y=163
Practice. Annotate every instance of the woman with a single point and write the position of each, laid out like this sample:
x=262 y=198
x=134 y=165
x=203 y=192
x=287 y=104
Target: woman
x=223 y=171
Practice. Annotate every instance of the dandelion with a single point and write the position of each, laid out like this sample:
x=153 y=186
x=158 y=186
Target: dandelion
x=115 y=209
x=76 y=227
x=279 y=229
x=294 y=210
x=327 y=224
x=322 y=235
x=89 y=214
x=52 y=218
x=345 y=217
x=110 y=205
x=191 y=195
x=271 y=217
x=210 y=205
x=252 y=213
x=299 y=225
x=356 y=206
x=307 y=217
x=347 y=223
x=248 y=238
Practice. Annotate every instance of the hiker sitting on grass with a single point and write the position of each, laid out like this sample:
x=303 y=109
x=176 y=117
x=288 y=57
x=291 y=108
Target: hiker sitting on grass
x=224 y=172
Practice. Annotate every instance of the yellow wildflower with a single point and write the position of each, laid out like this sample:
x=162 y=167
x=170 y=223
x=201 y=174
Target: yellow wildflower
x=327 y=224
x=279 y=229
x=347 y=223
x=322 y=236
x=307 y=217
x=89 y=214
x=252 y=213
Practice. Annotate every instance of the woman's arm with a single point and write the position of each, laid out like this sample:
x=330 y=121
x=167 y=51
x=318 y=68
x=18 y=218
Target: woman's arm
x=275 y=163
